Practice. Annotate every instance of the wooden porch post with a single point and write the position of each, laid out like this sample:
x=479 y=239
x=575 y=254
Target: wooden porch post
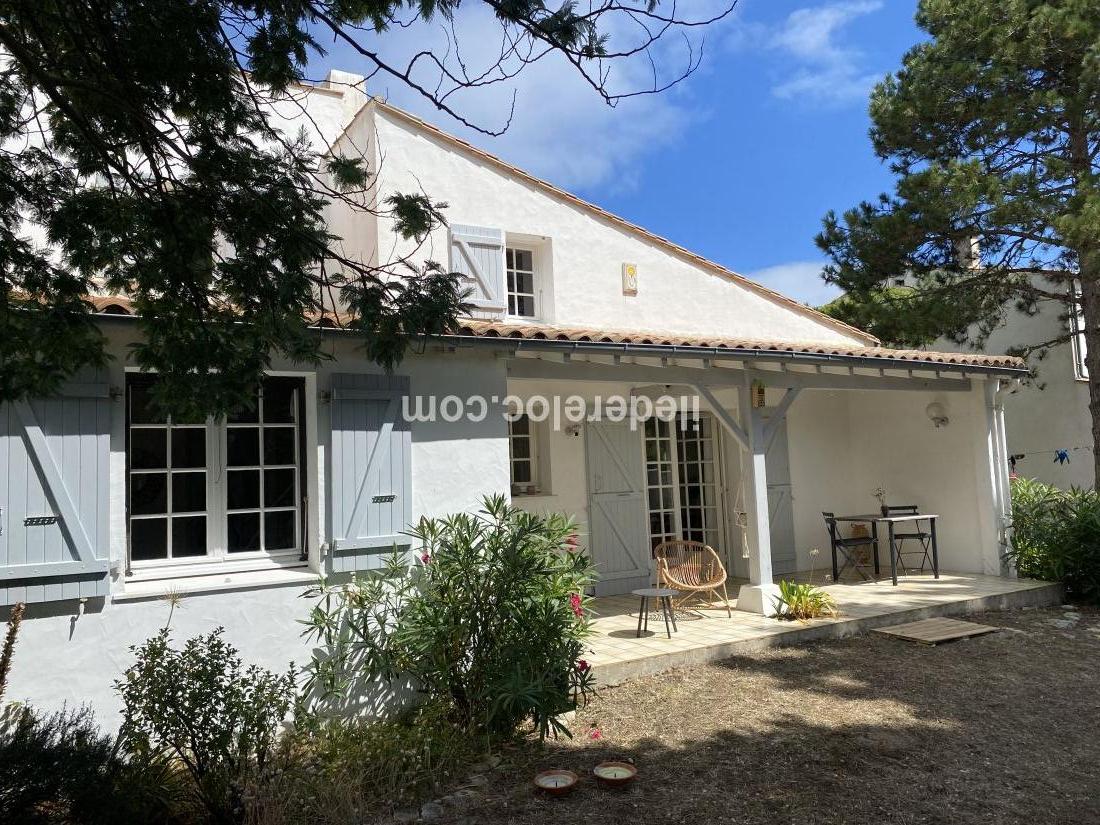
x=758 y=596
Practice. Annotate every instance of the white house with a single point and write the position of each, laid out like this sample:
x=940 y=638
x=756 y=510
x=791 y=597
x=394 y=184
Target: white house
x=1050 y=413
x=106 y=508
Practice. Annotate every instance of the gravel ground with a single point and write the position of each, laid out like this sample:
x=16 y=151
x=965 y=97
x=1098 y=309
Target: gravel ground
x=1003 y=728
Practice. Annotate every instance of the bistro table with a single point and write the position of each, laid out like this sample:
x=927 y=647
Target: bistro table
x=891 y=522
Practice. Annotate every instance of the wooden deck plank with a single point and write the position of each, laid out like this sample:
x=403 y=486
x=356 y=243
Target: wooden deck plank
x=934 y=631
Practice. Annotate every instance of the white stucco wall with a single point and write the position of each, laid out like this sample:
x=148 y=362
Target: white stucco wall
x=63 y=657
x=586 y=252
x=1051 y=411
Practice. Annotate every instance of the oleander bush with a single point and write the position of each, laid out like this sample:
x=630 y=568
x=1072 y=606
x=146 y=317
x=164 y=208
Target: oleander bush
x=489 y=622
x=1056 y=536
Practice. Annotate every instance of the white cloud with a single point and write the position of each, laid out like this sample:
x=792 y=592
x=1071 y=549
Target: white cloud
x=800 y=280
x=561 y=129
x=818 y=67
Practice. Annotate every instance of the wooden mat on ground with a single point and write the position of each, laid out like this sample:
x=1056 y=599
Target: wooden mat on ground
x=934 y=631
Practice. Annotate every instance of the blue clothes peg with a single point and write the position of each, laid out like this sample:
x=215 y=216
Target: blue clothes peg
x=1061 y=456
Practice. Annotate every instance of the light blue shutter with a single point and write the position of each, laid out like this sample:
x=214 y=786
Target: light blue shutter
x=477 y=253
x=371 y=470
x=54 y=486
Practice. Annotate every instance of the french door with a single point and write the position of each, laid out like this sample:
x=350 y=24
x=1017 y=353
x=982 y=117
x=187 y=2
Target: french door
x=683 y=481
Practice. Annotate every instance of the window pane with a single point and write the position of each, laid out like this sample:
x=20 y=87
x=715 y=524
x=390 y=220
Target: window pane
x=511 y=304
x=188 y=492
x=189 y=447
x=523 y=259
x=188 y=536
x=242 y=489
x=521 y=426
x=149 y=449
x=521 y=447
x=148 y=493
x=278 y=445
x=279 y=530
x=511 y=282
x=142 y=410
x=279 y=401
x=279 y=488
x=244 y=532
x=525 y=306
x=242 y=446
x=148 y=539
x=521 y=472
x=525 y=283
x=510 y=257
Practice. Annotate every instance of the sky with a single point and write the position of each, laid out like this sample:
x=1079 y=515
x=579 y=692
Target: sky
x=739 y=162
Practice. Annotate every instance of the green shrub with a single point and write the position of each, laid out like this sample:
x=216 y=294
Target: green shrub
x=803 y=601
x=1056 y=536
x=201 y=708
x=490 y=623
x=61 y=768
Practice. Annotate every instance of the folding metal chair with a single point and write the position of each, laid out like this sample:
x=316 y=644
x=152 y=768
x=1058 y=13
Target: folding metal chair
x=847 y=548
x=915 y=532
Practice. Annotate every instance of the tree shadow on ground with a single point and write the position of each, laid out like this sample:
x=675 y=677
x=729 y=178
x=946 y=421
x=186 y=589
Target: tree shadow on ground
x=1000 y=729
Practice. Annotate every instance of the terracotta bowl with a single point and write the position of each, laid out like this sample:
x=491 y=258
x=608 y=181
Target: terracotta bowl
x=556 y=782
x=615 y=774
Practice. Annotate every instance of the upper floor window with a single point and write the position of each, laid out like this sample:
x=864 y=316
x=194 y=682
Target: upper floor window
x=520 y=269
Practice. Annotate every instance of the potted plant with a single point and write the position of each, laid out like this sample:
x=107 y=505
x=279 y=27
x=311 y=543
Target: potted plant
x=880 y=493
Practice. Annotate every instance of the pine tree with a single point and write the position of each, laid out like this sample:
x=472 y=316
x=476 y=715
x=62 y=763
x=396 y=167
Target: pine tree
x=992 y=127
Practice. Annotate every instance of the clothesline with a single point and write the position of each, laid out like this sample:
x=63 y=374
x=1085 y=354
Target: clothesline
x=1061 y=455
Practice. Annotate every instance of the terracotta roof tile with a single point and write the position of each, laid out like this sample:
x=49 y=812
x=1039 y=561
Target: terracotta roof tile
x=541 y=332
x=116 y=305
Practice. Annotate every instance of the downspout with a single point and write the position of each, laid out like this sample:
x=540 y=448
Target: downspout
x=1007 y=387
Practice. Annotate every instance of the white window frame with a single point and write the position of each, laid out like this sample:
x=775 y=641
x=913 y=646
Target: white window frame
x=218 y=559
x=531 y=487
x=510 y=272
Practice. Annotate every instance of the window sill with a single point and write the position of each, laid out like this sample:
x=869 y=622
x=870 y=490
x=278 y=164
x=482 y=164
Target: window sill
x=214 y=583
x=539 y=494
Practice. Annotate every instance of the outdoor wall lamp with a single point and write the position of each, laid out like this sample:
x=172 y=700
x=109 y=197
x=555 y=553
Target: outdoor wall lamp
x=937 y=414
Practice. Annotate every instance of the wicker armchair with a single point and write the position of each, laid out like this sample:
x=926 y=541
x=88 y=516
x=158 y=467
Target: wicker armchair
x=692 y=568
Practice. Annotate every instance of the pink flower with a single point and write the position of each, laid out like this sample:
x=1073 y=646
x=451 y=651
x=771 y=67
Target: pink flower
x=582 y=666
x=425 y=558
x=595 y=734
x=575 y=603
x=571 y=542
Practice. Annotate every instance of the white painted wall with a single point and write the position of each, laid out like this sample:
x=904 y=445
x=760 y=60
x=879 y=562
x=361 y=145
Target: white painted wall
x=1050 y=412
x=586 y=251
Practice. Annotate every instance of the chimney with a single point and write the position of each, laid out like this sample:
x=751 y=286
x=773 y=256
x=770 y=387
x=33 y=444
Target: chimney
x=352 y=86
x=969 y=252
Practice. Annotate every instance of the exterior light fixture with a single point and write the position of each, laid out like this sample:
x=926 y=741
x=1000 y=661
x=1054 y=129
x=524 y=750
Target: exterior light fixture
x=937 y=414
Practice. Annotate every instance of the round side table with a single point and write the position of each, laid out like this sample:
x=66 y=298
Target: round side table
x=664 y=596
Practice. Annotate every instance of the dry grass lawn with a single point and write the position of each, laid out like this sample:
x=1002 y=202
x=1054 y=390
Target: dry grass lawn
x=1004 y=728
